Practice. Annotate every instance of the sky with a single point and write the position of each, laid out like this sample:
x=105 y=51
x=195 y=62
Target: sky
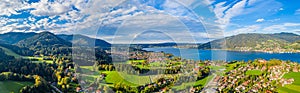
x=151 y=21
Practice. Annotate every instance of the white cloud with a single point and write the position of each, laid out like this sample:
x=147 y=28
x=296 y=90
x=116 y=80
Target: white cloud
x=93 y=14
x=227 y=10
x=282 y=27
x=225 y=16
x=245 y=29
x=281 y=9
x=274 y=20
x=297 y=12
x=9 y=7
x=133 y=27
x=260 y=20
x=45 y=8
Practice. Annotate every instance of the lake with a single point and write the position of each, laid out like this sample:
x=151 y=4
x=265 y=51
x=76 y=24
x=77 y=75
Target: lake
x=197 y=54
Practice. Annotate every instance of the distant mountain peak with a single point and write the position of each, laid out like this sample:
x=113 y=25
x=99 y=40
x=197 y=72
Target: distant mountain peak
x=252 y=40
x=82 y=40
x=43 y=39
x=285 y=33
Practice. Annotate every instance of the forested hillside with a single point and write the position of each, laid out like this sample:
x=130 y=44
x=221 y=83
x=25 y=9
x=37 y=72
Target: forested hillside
x=279 y=41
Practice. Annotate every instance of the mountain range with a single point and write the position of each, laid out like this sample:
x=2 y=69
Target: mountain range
x=255 y=41
x=27 y=43
x=252 y=41
x=47 y=38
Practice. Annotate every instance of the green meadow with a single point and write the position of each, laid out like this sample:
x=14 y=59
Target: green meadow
x=38 y=59
x=291 y=88
x=9 y=52
x=253 y=72
x=114 y=77
x=12 y=86
x=121 y=77
x=196 y=83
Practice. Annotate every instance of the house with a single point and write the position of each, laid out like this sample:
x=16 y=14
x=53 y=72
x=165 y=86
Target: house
x=295 y=69
x=98 y=91
x=78 y=89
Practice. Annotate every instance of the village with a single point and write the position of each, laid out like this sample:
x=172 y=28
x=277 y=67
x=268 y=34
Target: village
x=259 y=76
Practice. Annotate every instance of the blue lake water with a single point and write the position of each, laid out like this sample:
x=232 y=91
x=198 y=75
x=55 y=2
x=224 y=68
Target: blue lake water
x=197 y=54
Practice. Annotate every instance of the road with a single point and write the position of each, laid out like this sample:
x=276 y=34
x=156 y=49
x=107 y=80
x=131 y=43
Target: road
x=56 y=88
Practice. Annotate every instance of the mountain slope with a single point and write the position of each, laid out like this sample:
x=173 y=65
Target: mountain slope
x=290 y=37
x=42 y=40
x=9 y=52
x=253 y=42
x=4 y=56
x=16 y=50
x=14 y=37
x=81 y=40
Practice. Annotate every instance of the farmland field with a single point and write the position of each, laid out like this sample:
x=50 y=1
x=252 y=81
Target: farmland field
x=39 y=59
x=253 y=72
x=291 y=88
x=133 y=80
x=201 y=82
x=89 y=74
x=115 y=77
x=9 y=52
x=12 y=86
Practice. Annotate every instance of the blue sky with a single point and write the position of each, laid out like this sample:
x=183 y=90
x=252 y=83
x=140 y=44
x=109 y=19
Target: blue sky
x=151 y=21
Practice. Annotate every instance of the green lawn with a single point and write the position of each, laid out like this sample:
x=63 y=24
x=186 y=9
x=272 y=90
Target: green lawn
x=291 y=88
x=9 y=52
x=12 y=86
x=253 y=72
x=196 y=83
x=143 y=67
x=114 y=77
x=40 y=59
x=132 y=80
x=216 y=67
x=232 y=66
x=88 y=69
x=129 y=61
x=89 y=74
x=157 y=64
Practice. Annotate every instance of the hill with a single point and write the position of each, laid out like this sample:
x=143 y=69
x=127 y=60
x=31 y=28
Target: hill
x=167 y=44
x=81 y=40
x=290 y=37
x=268 y=42
x=14 y=37
x=4 y=56
x=19 y=38
x=43 y=40
x=9 y=52
x=16 y=51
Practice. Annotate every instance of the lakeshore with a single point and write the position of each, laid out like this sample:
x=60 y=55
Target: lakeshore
x=226 y=55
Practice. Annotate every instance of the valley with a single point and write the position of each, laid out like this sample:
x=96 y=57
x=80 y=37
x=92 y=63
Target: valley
x=45 y=62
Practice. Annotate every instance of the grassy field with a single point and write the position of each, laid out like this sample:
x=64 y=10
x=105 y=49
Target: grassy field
x=253 y=72
x=132 y=80
x=89 y=74
x=11 y=53
x=155 y=64
x=294 y=87
x=12 y=86
x=196 y=83
x=88 y=69
x=40 y=59
x=218 y=69
x=114 y=77
x=230 y=67
x=140 y=61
